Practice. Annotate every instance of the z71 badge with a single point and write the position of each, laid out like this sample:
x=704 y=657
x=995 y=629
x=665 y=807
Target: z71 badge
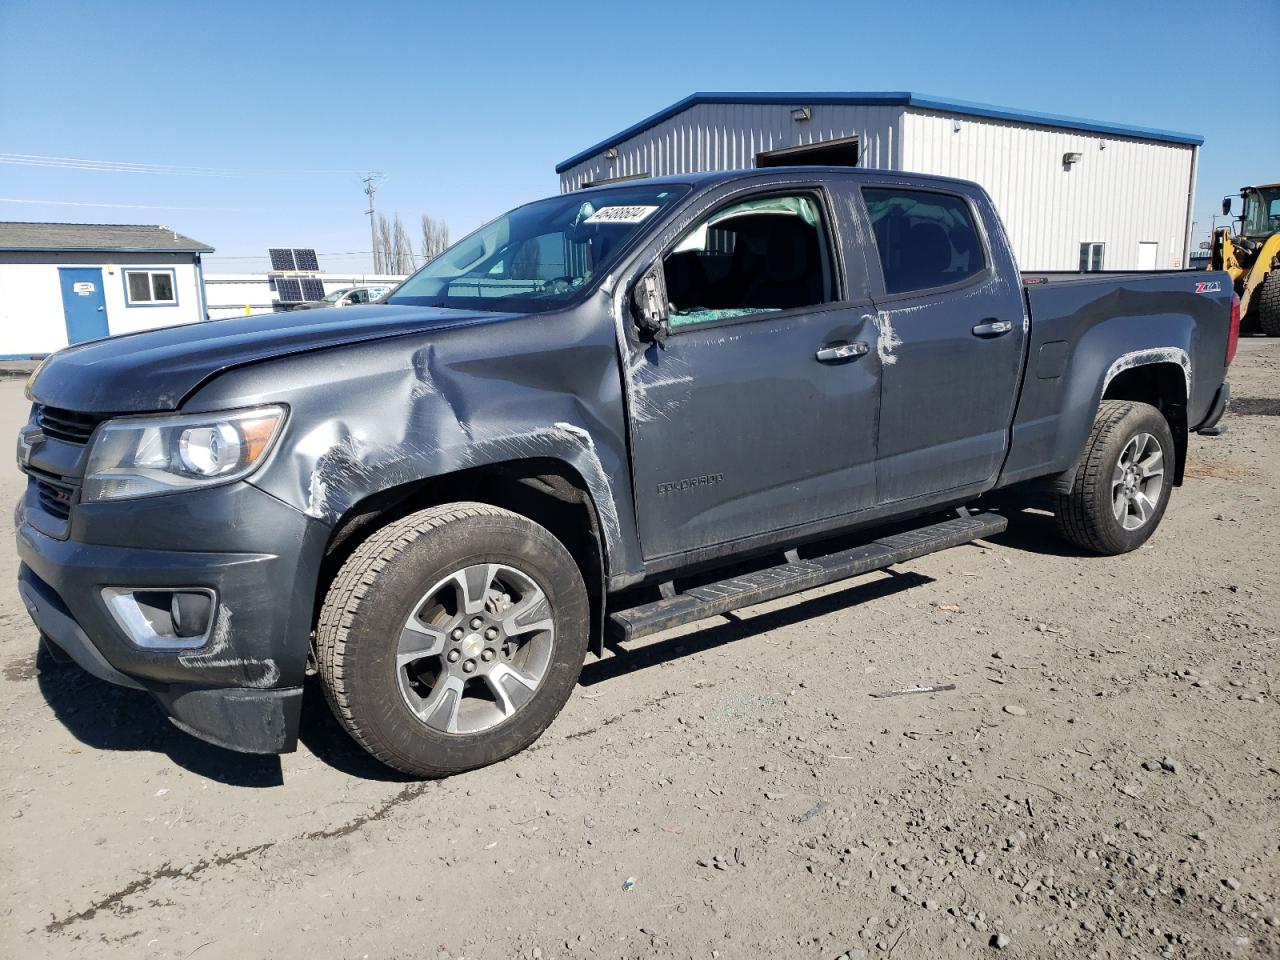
x=1209 y=286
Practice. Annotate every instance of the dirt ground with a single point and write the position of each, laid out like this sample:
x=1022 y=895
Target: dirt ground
x=1103 y=781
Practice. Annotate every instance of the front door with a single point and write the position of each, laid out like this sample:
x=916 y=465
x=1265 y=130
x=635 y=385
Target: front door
x=759 y=412
x=83 y=303
x=952 y=334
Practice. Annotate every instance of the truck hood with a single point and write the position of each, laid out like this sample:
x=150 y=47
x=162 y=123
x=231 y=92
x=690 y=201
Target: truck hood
x=155 y=370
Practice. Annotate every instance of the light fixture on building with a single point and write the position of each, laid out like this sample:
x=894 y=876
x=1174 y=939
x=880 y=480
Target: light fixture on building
x=801 y=114
x=611 y=153
x=955 y=126
x=1068 y=159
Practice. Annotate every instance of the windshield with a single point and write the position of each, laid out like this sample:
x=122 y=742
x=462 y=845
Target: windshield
x=338 y=295
x=540 y=256
x=1261 y=212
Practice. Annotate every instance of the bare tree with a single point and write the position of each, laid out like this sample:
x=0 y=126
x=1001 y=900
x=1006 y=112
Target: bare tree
x=435 y=237
x=401 y=260
x=382 y=246
x=393 y=250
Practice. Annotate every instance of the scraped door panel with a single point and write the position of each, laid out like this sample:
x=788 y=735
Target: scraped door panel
x=948 y=394
x=952 y=334
x=740 y=429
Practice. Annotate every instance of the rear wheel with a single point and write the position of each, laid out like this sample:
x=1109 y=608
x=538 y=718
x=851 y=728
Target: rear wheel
x=1269 y=304
x=451 y=638
x=1121 y=485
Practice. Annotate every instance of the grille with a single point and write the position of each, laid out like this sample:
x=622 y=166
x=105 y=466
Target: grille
x=55 y=498
x=67 y=425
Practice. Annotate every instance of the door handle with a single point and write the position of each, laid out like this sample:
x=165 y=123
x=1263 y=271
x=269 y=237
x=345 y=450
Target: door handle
x=842 y=351
x=992 y=328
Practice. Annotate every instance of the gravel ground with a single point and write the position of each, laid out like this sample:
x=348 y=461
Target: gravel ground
x=1101 y=782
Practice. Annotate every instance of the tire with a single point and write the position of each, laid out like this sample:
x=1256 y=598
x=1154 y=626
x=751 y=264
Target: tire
x=1269 y=304
x=1087 y=510
x=389 y=608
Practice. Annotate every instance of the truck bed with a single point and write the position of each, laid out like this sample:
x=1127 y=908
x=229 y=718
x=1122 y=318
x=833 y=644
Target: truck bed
x=1031 y=278
x=1103 y=322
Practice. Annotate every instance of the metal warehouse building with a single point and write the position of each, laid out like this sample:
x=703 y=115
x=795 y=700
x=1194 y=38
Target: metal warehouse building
x=1073 y=194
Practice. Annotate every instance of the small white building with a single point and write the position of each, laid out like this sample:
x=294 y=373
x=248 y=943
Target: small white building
x=1073 y=194
x=240 y=294
x=64 y=283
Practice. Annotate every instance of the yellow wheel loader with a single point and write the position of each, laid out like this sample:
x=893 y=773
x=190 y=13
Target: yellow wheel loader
x=1252 y=257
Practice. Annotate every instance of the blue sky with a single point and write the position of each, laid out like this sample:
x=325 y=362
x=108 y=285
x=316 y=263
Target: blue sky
x=468 y=107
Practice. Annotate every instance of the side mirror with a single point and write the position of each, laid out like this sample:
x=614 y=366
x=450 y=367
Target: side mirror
x=1226 y=206
x=650 y=300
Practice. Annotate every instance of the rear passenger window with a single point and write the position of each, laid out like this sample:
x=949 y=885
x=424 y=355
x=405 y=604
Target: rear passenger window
x=924 y=239
x=759 y=256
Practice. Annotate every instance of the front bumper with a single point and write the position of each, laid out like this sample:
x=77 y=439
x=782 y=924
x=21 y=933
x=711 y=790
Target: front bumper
x=243 y=688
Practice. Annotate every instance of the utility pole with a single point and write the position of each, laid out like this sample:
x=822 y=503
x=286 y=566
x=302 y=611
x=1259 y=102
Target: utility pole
x=371 y=184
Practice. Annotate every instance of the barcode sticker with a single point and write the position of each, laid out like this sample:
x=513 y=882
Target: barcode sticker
x=635 y=213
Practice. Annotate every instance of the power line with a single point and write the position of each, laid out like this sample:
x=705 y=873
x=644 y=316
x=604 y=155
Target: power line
x=162 y=169
x=260 y=256
x=149 y=206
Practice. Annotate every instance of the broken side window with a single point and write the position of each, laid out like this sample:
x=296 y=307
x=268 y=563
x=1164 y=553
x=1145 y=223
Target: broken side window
x=763 y=255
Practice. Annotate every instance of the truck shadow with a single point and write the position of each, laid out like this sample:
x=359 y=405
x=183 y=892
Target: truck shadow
x=109 y=718
x=105 y=717
x=623 y=660
x=1032 y=529
x=329 y=742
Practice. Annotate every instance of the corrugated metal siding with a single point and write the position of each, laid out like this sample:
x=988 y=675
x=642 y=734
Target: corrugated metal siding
x=1122 y=191
x=728 y=137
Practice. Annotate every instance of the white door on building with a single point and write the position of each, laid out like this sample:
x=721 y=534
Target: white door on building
x=1147 y=255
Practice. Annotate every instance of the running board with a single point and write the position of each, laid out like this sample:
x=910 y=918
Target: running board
x=712 y=599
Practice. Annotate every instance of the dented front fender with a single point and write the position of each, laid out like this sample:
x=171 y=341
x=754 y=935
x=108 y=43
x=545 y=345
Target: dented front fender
x=371 y=417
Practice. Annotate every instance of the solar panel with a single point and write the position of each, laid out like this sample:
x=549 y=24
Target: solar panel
x=312 y=288
x=305 y=257
x=288 y=291
x=281 y=258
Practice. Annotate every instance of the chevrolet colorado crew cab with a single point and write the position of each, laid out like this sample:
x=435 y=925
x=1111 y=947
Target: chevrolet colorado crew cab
x=602 y=415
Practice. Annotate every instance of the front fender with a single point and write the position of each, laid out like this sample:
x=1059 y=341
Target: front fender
x=372 y=417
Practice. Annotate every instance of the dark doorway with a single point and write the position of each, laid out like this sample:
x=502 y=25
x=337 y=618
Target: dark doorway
x=830 y=153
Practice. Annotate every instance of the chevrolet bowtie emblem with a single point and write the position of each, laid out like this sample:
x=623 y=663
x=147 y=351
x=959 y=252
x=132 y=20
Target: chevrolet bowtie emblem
x=29 y=438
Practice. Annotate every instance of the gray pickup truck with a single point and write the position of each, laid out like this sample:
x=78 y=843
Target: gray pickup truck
x=602 y=415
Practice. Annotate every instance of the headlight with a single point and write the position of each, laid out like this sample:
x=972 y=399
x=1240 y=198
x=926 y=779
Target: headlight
x=31 y=380
x=147 y=456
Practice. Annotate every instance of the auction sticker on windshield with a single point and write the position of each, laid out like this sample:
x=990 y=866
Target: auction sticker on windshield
x=634 y=213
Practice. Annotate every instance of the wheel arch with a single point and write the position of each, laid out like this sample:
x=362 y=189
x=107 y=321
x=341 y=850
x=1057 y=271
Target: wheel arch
x=551 y=492
x=1161 y=378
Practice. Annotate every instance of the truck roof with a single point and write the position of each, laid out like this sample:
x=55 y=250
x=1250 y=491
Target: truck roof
x=698 y=180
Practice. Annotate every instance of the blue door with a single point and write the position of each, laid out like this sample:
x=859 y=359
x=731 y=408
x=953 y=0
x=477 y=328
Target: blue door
x=83 y=303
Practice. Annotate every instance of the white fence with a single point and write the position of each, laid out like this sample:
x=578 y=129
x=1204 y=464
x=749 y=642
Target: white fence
x=241 y=294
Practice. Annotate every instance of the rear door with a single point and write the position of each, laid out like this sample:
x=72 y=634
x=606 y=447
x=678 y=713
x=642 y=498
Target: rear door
x=952 y=335
x=759 y=412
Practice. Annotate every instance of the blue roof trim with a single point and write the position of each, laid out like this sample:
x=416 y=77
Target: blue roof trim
x=897 y=98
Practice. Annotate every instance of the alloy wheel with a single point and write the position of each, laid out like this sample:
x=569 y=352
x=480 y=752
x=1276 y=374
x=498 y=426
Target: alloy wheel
x=475 y=648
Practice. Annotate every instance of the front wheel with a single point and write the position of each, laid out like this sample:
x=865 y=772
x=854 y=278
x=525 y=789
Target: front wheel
x=1121 y=485
x=450 y=639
